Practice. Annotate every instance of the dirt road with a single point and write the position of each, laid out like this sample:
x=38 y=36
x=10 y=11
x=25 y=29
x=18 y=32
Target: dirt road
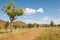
x=29 y=35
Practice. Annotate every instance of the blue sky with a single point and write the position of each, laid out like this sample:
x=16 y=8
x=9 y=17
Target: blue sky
x=37 y=11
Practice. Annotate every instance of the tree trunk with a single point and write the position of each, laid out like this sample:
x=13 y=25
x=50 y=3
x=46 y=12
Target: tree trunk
x=11 y=26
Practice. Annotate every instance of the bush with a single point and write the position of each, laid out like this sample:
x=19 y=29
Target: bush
x=51 y=23
x=30 y=26
x=0 y=27
x=6 y=25
x=15 y=26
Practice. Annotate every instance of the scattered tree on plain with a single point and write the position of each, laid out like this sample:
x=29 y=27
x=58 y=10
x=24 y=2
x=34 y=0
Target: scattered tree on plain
x=51 y=23
x=12 y=11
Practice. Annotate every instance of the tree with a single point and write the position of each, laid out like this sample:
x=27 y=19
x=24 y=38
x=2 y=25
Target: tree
x=58 y=25
x=6 y=25
x=30 y=26
x=12 y=11
x=0 y=27
x=51 y=23
x=16 y=26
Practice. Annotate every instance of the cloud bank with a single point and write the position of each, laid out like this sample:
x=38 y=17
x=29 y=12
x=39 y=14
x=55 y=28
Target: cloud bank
x=33 y=11
x=43 y=20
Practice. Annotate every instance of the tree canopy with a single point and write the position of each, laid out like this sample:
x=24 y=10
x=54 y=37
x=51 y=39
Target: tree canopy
x=12 y=10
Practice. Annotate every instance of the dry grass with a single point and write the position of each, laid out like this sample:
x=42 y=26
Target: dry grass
x=45 y=33
x=49 y=34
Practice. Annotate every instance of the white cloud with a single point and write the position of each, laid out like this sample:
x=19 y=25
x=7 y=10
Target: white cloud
x=57 y=21
x=30 y=21
x=38 y=22
x=46 y=18
x=41 y=10
x=33 y=11
x=30 y=11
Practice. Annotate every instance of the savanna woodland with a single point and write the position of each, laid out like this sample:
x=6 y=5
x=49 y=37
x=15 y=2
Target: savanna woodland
x=20 y=30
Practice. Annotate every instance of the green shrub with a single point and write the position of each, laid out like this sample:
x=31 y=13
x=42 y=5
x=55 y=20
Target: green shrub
x=30 y=26
x=0 y=27
x=15 y=26
x=6 y=25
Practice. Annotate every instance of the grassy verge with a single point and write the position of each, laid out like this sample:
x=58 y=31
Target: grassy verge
x=49 y=34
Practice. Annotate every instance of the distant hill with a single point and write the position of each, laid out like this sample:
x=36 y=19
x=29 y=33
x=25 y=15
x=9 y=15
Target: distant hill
x=22 y=24
x=2 y=23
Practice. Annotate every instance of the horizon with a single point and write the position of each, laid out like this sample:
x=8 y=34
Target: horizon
x=37 y=11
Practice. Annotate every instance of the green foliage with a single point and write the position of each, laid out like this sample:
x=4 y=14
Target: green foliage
x=30 y=26
x=37 y=26
x=58 y=25
x=0 y=27
x=12 y=10
x=15 y=26
x=6 y=25
x=52 y=23
x=20 y=12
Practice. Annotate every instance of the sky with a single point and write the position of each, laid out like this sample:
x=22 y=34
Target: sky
x=36 y=11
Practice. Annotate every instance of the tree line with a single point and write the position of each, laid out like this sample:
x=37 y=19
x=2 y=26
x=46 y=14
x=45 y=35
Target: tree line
x=35 y=25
